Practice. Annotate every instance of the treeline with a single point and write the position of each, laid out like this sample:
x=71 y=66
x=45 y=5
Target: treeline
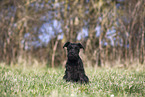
x=110 y=30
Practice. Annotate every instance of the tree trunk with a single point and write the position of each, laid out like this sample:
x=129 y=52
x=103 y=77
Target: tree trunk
x=130 y=48
x=142 y=45
x=126 y=40
x=53 y=54
x=100 y=60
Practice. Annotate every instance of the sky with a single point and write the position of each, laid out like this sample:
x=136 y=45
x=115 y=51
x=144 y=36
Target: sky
x=48 y=30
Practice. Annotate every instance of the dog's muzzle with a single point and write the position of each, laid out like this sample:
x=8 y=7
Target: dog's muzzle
x=72 y=56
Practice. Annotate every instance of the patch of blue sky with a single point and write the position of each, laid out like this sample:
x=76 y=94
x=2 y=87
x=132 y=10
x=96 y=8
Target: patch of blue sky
x=110 y=35
x=49 y=30
x=98 y=31
x=60 y=36
x=82 y=34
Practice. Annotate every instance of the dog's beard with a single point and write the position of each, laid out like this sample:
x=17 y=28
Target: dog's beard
x=73 y=57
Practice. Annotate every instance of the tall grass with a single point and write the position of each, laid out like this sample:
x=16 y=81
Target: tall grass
x=110 y=82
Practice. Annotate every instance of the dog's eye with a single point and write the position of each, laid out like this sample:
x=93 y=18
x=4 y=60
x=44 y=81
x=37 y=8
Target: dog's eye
x=70 y=47
x=76 y=48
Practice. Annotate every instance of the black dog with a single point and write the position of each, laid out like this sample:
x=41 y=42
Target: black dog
x=74 y=65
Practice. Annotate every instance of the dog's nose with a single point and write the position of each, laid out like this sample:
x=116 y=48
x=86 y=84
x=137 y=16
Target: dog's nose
x=72 y=53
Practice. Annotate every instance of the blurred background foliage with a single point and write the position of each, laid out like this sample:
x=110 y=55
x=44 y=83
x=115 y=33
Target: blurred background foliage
x=112 y=31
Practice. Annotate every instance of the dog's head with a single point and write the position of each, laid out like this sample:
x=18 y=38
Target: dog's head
x=73 y=50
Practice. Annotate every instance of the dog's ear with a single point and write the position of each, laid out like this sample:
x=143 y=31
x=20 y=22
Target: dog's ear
x=66 y=44
x=80 y=45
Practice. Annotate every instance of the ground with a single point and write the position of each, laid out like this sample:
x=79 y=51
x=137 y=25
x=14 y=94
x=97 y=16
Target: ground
x=34 y=81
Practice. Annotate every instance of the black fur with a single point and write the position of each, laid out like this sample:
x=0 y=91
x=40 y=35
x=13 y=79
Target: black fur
x=74 y=65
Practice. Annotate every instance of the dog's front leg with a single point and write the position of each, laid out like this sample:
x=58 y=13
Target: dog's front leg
x=83 y=77
x=68 y=76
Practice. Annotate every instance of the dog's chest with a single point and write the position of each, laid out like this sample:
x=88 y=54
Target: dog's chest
x=74 y=72
x=74 y=69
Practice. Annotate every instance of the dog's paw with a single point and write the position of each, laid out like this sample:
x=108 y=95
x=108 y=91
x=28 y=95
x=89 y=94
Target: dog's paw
x=84 y=80
x=68 y=79
x=64 y=77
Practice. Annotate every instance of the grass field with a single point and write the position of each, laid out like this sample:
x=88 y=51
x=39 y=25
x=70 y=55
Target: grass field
x=110 y=82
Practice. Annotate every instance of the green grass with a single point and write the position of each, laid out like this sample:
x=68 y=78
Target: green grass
x=104 y=82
